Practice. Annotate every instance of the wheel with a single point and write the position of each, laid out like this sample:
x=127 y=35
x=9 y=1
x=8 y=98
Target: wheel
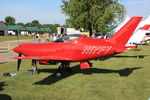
x=58 y=74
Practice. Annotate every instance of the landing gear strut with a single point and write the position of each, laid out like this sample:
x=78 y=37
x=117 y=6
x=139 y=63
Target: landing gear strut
x=34 y=67
x=65 y=66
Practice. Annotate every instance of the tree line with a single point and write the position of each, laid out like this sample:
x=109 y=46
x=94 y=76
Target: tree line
x=9 y=20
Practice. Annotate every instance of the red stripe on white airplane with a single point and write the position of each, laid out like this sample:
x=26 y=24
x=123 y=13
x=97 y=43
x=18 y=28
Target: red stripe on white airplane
x=145 y=27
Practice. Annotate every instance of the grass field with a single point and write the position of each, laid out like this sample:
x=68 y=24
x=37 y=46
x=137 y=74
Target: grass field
x=9 y=38
x=123 y=77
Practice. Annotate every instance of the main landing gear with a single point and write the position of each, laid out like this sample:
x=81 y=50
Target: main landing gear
x=65 y=66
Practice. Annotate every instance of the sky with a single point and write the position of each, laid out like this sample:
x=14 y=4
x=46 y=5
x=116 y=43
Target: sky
x=49 y=11
x=137 y=7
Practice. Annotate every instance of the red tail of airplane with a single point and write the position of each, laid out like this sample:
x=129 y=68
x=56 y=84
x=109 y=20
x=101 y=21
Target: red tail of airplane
x=121 y=37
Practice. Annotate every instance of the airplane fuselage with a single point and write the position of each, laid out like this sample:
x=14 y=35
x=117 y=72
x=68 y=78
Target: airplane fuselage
x=85 y=49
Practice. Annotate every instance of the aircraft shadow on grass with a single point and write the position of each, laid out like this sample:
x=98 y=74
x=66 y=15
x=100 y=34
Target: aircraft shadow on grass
x=75 y=69
x=135 y=56
x=122 y=56
x=4 y=96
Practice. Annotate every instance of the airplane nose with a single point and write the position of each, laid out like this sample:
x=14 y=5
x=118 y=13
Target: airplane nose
x=17 y=49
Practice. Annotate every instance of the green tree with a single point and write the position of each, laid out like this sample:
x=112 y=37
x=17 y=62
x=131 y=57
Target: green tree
x=10 y=20
x=93 y=15
x=56 y=25
x=28 y=24
x=35 y=23
x=68 y=24
x=53 y=27
x=20 y=24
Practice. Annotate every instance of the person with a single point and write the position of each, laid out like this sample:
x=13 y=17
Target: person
x=47 y=38
x=34 y=37
x=54 y=37
x=38 y=36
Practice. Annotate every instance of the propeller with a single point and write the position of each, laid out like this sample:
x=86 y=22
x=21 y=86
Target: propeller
x=19 y=62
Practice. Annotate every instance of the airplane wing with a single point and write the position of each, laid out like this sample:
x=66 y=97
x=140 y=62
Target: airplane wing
x=43 y=58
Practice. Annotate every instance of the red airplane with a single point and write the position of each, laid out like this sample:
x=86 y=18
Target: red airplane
x=80 y=50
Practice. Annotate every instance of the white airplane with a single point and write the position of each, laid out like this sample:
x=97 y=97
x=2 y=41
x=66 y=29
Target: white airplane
x=147 y=35
x=137 y=37
x=146 y=21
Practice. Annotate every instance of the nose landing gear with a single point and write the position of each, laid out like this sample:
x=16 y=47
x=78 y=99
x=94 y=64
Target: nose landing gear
x=34 y=66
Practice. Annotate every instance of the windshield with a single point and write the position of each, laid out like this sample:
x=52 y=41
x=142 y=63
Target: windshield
x=79 y=38
x=70 y=38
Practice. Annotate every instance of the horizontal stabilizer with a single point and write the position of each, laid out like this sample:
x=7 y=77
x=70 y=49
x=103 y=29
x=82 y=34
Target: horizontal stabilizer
x=145 y=27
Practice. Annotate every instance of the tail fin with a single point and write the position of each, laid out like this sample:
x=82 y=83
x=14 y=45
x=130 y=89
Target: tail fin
x=122 y=36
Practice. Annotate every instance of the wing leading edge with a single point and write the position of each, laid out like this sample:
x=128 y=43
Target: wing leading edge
x=43 y=58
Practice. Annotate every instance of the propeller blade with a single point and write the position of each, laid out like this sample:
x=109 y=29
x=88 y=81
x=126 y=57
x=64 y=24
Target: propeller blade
x=19 y=62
